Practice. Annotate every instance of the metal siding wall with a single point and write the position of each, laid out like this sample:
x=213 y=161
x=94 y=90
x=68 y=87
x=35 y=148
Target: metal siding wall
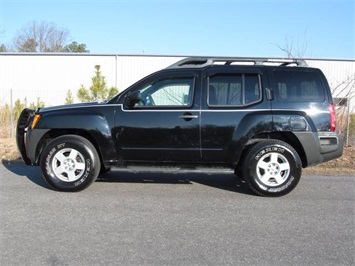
x=341 y=77
x=49 y=77
x=130 y=69
x=336 y=71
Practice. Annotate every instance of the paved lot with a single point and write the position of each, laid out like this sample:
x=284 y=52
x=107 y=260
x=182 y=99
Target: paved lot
x=174 y=219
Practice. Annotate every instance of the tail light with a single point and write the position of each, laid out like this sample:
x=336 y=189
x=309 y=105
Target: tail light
x=332 y=117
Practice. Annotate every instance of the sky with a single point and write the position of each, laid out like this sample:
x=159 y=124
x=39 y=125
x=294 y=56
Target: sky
x=322 y=28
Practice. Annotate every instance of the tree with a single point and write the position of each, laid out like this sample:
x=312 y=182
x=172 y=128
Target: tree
x=41 y=37
x=3 y=48
x=38 y=104
x=98 y=90
x=69 y=99
x=83 y=94
x=18 y=107
x=28 y=46
x=44 y=37
x=112 y=92
x=295 y=48
x=75 y=47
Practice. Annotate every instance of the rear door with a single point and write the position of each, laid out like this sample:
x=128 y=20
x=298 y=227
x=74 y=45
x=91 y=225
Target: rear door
x=234 y=109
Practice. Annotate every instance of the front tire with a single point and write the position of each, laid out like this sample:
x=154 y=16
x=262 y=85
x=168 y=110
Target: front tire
x=272 y=168
x=70 y=163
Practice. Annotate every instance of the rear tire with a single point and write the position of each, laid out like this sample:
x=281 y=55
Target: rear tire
x=70 y=163
x=272 y=168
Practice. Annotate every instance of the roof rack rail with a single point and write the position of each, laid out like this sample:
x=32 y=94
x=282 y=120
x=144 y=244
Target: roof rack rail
x=199 y=62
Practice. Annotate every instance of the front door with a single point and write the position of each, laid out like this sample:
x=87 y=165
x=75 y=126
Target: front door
x=164 y=125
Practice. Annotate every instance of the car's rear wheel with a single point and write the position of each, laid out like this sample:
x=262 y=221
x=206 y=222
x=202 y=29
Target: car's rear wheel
x=272 y=168
x=70 y=163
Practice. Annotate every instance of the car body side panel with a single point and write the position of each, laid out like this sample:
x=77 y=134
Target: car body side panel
x=225 y=133
x=160 y=136
x=94 y=121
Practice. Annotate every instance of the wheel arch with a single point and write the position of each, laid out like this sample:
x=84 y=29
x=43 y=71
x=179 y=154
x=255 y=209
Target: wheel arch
x=287 y=137
x=55 y=133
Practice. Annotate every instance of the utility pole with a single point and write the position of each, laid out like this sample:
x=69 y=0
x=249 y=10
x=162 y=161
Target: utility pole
x=348 y=126
x=11 y=116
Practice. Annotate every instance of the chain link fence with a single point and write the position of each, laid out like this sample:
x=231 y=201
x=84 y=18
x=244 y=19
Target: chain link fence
x=12 y=102
x=10 y=110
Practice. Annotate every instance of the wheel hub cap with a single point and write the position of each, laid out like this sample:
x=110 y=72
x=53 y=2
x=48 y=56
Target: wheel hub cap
x=273 y=169
x=68 y=165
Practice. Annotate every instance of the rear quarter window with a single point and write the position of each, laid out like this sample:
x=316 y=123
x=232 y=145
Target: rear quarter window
x=298 y=86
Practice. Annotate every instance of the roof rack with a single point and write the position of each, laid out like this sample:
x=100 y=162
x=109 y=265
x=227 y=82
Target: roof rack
x=199 y=62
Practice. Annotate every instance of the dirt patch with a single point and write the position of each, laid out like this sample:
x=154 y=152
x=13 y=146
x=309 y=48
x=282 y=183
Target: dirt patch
x=344 y=165
x=8 y=149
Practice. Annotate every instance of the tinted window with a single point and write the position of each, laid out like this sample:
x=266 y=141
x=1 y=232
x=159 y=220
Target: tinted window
x=234 y=90
x=294 y=86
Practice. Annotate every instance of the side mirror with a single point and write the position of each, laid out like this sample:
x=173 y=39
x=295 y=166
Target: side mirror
x=133 y=98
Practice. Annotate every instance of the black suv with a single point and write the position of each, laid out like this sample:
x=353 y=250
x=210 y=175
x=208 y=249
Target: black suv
x=263 y=118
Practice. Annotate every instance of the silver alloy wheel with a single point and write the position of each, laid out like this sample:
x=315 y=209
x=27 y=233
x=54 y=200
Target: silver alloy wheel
x=68 y=165
x=273 y=169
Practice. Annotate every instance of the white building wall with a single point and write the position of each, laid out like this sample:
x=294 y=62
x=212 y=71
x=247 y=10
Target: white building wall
x=132 y=68
x=50 y=76
x=340 y=75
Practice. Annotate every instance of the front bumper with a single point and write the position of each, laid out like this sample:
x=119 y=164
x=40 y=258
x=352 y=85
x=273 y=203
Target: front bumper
x=27 y=139
x=23 y=123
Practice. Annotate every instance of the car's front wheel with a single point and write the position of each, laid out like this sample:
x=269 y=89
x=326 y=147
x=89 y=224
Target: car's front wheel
x=272 y=168
x=70 y=163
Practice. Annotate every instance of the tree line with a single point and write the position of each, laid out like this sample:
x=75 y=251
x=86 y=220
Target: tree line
x=43 y=37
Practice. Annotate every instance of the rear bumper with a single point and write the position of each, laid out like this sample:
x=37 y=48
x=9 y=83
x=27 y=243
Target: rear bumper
x=320 y=147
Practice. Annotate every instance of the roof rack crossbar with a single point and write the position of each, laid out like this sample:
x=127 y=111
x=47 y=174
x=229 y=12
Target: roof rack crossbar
x=206 y=61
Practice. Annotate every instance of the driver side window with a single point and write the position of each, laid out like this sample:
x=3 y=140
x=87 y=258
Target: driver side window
x=167 y=93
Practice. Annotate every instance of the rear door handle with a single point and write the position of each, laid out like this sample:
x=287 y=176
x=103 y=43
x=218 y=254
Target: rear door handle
x=188 y=116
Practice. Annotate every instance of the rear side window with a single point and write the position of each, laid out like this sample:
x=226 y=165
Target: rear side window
x=234 y=90
x=298 y=86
